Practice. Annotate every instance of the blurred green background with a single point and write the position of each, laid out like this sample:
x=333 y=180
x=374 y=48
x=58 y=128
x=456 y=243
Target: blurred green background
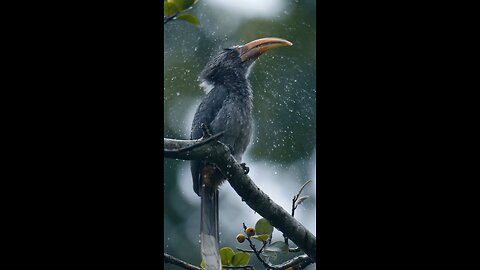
x=281 y=156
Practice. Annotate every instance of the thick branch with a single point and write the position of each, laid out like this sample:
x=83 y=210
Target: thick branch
x=218 y=153
x=298 y=262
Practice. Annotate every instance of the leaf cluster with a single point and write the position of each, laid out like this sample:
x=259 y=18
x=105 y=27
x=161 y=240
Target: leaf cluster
x=174 y=9
x=231 y=258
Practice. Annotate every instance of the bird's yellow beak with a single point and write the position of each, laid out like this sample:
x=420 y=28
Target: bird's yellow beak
x=254 y=49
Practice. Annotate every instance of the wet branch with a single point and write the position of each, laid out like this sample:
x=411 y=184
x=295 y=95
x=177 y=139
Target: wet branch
x=218 y=153
x=167 y=258
x=251 y=251
x=166 y=19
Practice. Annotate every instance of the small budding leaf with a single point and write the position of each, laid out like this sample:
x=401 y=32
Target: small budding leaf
x=303 y=186
x=226 y=255
x=169 y=9
x=189 y=18
x=300 y=200
x=203 y=265
x=263 y=227
x=240 y=259
x=261 y=237
x=277 y=246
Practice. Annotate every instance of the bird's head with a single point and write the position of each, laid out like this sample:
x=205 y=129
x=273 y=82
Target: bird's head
x=233 y=64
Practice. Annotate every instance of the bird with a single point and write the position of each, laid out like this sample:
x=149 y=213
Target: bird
x=227 y=107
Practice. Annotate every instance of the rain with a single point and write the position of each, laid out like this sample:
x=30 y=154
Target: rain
x=282 y=152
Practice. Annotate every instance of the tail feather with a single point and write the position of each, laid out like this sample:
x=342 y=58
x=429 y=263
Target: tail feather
x=209 y=229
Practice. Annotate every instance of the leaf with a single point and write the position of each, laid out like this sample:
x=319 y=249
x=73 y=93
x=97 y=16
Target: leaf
x=300 y=200
x=303 y=186
x=169 y=9
x=226 y=255
x=263 y=227
x=277 y=246
x=261 y=237
x=240 y=258
x=182 y=4
x=203 y=265
x=189 y=18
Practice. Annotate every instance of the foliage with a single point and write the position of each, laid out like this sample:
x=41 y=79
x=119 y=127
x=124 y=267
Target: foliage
x=173 y=10
x=231 y=258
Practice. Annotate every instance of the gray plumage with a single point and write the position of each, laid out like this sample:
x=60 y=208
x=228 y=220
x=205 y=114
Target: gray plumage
x=227 y=107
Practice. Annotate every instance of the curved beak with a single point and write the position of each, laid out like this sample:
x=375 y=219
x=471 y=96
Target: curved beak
x=254 y=49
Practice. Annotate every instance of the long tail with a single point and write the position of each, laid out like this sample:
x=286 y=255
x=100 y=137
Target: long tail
x=209 y=229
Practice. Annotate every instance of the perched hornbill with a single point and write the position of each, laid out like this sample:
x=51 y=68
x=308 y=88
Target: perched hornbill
x=227 y=107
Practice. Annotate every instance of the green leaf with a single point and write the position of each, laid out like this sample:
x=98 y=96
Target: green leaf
x=226 y=255
x=261 y=237
x=240 y=258
x=169 y=9
x=203 y=265
x=300 y=200
x=263 y=227
x=182 y=4
x=277 y=246
x=189 y=18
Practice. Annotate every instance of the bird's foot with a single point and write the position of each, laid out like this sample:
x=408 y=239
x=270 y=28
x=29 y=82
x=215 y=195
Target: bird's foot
x=231 y=149
x=246 y=169
x=206 y=131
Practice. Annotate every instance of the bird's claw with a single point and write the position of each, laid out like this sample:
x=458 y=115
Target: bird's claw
x=246 y=170
x=206 y=131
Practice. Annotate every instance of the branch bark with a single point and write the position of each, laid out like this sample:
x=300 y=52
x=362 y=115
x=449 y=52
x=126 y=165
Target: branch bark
x=218 y=153
x=170 y=259
x=167 y=258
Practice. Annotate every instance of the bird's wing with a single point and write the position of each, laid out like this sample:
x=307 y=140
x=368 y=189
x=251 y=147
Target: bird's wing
x=206 y=112
x=234 y=118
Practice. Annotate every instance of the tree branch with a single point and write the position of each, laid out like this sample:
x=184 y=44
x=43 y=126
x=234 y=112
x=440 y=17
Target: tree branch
x=170 y=259
x=166 y=19
x=296 y=249
x=167 y=258
x=218 y=153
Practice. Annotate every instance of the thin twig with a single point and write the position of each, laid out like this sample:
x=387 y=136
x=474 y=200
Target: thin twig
x=172 y=260
x=166 y=19
x=246 y=267
x=294 y=206
x=296 y=249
